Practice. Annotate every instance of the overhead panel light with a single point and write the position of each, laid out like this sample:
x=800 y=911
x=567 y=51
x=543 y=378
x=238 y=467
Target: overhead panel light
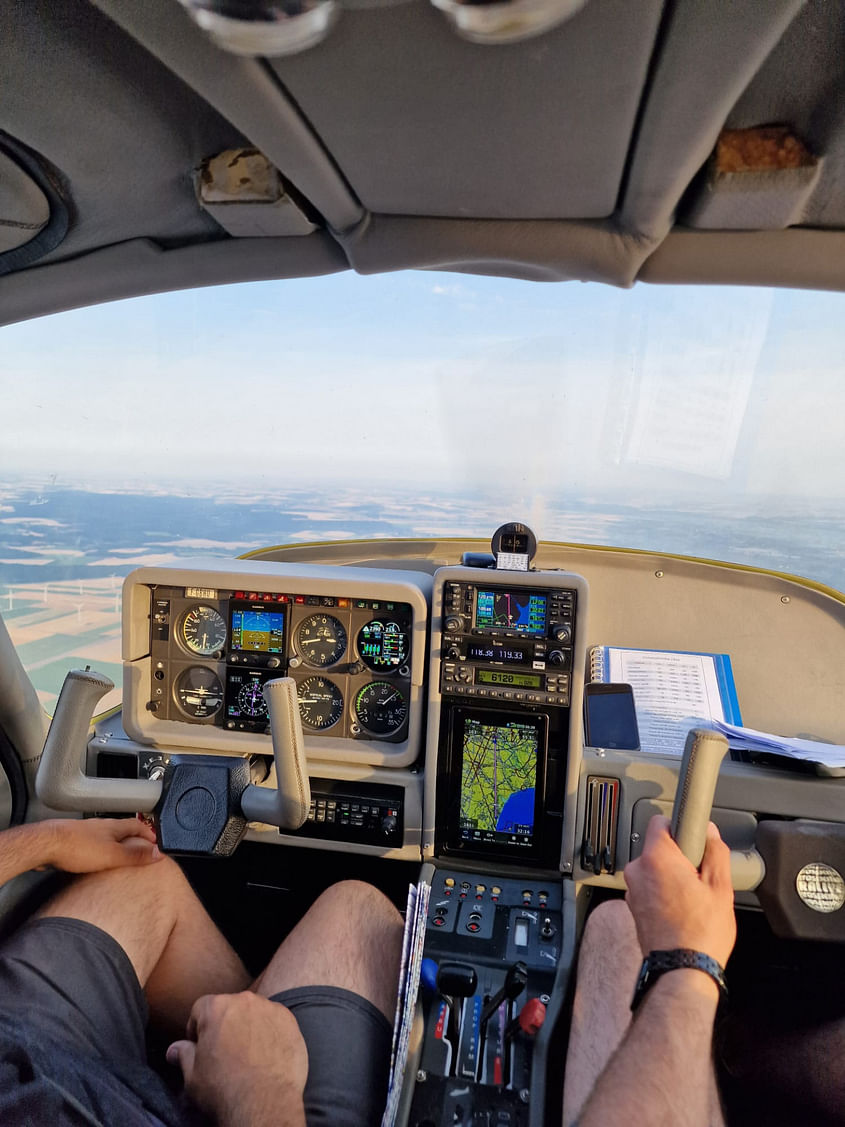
x=264 y=27
x=506 y=21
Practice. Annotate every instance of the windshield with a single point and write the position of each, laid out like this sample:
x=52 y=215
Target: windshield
x=701 y=421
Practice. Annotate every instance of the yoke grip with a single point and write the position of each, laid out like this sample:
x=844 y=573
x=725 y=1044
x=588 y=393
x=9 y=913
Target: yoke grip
x=703 y=755
x=286 y=805
x=61 y=781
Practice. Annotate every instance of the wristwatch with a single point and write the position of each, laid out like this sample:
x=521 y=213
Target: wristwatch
x=657 y=963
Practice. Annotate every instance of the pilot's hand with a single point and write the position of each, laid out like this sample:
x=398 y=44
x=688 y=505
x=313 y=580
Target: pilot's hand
x=675 y=905
x=245 y=1061
x=94 y=844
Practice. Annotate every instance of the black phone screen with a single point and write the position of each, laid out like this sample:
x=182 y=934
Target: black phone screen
x=610 y=717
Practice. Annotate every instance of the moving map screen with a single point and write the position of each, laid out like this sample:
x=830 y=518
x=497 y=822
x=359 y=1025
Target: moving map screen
x=500 y=778
x=522 y=611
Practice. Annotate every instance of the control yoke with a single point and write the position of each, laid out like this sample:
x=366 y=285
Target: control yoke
x=63 y=784
x=703 y=754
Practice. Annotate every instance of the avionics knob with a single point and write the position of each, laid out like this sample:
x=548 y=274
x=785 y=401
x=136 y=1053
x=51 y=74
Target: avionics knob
x=562 y=633
x=556 y=657
x=454 y=622
x=388 y=825
x=453 y=653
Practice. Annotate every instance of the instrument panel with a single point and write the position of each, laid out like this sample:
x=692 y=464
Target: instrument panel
x=349 y=657
x=201 y=641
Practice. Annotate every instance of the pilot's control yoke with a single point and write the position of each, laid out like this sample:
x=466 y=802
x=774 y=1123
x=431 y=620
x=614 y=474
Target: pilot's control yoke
x=703 y=754
x=203 y=803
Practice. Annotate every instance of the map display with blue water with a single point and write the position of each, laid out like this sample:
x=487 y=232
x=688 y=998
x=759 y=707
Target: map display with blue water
x=498 y=777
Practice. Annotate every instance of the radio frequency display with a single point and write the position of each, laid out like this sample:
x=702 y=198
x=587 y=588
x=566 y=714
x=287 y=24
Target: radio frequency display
x=491 y=651
x=519 y=610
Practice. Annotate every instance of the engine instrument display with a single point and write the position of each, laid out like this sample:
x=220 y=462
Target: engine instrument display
x=257 y=630
x=383 y=646
x=321 y=640
x=522 y=611
x=320 y=703
x=380 y=708
x=198 y=692
x=202 y=631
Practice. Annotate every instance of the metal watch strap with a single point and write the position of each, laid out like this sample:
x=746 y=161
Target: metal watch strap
x=657 y=963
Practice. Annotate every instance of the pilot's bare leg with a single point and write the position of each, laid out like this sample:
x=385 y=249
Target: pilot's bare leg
x=608 y=965
x=175 y=948
x=350 y=938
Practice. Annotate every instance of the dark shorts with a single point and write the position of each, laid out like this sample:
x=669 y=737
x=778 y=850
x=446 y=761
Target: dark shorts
x=64 y=982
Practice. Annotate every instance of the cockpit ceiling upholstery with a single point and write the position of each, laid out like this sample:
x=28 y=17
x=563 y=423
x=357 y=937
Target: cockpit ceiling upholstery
x=574 y=155
x=803 y=82
x=424 y=123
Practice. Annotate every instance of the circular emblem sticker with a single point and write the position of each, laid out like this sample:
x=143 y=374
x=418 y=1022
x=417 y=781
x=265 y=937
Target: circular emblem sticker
x=821 y=887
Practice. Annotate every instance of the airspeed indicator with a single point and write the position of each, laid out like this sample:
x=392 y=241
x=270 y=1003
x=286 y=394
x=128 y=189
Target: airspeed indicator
x=203 y=631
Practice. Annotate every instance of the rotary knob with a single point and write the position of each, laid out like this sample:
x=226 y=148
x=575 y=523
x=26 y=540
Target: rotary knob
x=556 y=657
x=388 y=824
x=562 y=633
x=454 y=622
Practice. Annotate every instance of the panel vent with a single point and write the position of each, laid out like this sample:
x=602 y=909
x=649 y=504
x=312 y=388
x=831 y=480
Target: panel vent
x=598 y=850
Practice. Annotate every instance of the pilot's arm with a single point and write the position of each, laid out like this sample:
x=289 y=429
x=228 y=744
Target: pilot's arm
x=76 y=846
x=660 y=1074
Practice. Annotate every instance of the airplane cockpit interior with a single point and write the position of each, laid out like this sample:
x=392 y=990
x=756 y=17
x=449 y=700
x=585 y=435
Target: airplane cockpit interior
x=479 y=715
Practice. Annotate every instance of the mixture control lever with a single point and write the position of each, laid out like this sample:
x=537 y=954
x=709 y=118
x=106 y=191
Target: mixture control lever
x=515 y=982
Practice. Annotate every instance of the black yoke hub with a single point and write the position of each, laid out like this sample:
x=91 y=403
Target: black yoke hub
x=199 y=811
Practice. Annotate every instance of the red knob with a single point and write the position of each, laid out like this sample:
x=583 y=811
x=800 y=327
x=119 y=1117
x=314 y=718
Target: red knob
x=531 y=1017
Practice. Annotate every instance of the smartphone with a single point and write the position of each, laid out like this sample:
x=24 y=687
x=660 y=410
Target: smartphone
x=610 y=718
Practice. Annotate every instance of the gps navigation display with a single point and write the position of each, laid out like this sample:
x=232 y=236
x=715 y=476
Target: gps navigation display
x=258 y=630
x=522 y=611
x=499 y=779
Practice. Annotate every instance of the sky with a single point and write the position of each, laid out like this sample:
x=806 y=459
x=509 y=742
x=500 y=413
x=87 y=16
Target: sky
x=441 y=379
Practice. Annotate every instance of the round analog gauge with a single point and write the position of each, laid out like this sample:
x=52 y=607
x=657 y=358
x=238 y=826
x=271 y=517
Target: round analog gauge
x=380 y=708
x=198 y=692
x=251 y=699
x=383 y=646
x=320 y=703
x=321 y=640
x=203 y=631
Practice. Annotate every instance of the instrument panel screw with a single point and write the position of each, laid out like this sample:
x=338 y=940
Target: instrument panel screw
x=784 y=598
x=422 y=1075
x=635 y=837
x=658 y=575
x=524 y=1095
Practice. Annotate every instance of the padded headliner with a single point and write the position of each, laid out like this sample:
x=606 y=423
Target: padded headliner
x=565 y=156
x=423 y=123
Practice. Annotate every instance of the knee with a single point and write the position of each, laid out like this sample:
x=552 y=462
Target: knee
x=610 y=925
x=356 y=903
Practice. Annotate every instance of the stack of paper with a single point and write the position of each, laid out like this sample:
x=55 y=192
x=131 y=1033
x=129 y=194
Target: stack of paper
x=416 y=914
x=810 y=751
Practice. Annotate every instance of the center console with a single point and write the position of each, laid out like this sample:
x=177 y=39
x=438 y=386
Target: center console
x=506 y=681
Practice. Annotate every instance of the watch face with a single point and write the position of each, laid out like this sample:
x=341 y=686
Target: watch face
x=821 y=887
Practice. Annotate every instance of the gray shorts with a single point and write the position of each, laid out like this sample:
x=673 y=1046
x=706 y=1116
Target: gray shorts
x=68 y=983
